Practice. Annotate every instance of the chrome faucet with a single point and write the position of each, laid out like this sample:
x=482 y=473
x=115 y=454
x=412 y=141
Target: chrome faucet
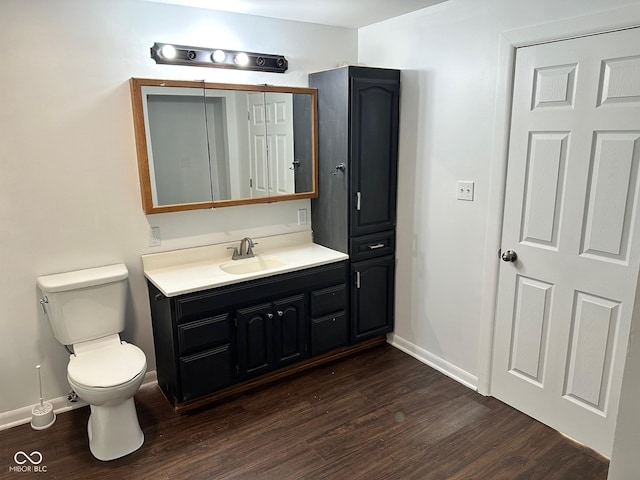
x=245 y=250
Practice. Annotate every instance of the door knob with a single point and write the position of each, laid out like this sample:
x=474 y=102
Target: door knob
x=509 y=256
x=294 y=164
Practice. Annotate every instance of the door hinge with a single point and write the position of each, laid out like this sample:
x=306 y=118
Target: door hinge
x=235 y=321
x=251 y=183
x=357 y=279
x=358 y=198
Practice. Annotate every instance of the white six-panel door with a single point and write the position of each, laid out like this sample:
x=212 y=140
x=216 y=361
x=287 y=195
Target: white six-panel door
x=258 y=161
x=279 y=110
x=271 y=143
x=571 y=214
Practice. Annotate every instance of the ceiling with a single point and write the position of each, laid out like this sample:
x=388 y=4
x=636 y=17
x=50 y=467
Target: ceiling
x=339 y=13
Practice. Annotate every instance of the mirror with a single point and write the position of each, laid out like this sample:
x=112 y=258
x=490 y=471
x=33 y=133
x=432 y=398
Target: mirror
x=206 y=145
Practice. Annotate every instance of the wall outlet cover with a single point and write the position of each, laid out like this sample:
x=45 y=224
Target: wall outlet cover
x=302 y=216
x=154 y=237
x=465 y=190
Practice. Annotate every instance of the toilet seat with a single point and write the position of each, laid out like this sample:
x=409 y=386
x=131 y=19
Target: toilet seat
x=108 y=366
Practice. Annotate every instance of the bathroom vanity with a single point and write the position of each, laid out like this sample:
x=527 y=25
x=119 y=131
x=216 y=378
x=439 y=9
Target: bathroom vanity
x=222 y=326
x=218 y=333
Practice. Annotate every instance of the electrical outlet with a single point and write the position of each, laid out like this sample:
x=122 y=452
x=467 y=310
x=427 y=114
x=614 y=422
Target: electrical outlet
x=154 y=237
x=302 y=216
x=465 y=190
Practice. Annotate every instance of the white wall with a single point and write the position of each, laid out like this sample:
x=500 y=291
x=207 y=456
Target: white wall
x=449 y=58
x=69 y=194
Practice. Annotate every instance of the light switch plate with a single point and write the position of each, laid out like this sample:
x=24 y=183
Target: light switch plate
x=465 y=190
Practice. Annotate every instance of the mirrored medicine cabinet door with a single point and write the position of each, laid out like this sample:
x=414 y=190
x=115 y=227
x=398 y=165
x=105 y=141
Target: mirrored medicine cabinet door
x=204 y=145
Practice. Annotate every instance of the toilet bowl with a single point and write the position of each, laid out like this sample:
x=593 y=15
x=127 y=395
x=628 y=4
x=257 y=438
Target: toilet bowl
x=86 y=309
x=106 y=373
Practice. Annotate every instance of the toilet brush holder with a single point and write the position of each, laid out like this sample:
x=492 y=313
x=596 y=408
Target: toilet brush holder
x=42 y=414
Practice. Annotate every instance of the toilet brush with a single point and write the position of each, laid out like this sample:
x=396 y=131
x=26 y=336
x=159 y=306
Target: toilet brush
x=42 y=415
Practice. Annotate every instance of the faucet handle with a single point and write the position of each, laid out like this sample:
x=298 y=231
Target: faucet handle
x=250 y=246
x=235 y=252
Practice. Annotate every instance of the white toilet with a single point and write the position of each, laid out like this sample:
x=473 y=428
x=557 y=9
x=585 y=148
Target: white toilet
x=86 y=309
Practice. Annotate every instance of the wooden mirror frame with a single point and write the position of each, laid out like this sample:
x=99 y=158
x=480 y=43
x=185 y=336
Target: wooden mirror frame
x=136 y=85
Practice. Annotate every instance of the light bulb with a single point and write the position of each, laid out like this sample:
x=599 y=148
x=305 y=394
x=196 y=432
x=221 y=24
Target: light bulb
x=218 y=56
x=168 y=51
x=242 y=59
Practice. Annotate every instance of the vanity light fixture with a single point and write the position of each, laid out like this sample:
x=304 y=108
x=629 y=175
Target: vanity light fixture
x=214 y=57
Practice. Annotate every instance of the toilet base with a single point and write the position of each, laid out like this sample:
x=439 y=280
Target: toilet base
x=114 y=431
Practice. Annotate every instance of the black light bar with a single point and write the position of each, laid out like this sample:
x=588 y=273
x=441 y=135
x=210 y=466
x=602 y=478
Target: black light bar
x=168 y=53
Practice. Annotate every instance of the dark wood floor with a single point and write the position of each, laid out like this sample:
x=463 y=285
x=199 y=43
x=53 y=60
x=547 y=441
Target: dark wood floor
x=379 y=415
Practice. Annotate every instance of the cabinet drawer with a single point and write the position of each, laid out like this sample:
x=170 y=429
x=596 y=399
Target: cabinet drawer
x=328 y=333
x=200 y=334
x=370 y=246
x=328 y=300
x=205 y=372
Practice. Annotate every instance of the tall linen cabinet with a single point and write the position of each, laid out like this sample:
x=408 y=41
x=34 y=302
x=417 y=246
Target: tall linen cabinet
x=355 y=212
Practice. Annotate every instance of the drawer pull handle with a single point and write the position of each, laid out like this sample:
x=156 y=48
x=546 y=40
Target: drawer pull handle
x=377 y=245
x=280 y=313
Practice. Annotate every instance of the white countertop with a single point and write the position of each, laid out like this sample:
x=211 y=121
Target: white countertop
x=195 y=269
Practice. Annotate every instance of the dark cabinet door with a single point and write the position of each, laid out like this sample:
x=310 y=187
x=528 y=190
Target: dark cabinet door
x=374 y=154
x=255 y=340
x=372 y=298
x=289 y=330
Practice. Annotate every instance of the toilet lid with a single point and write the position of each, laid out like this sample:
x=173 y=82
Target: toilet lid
x=107 y=367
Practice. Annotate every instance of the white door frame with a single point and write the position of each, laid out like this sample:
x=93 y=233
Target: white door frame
x=601 y=22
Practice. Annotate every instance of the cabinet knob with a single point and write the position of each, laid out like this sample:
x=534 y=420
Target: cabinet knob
x=269 y=315
x=280 y=313
x=339 y=168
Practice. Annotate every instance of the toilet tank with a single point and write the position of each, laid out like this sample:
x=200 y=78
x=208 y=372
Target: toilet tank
x=85 y=304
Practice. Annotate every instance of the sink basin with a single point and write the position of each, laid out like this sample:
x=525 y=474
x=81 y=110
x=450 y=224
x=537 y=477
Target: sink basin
x=252 y=265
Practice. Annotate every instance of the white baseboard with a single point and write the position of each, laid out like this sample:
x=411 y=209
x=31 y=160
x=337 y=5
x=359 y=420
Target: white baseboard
x=22 y=415
x=450 y=370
